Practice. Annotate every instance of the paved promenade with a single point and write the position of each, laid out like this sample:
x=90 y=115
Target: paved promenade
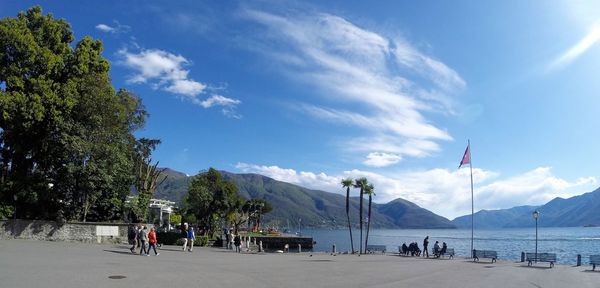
x=30 y=264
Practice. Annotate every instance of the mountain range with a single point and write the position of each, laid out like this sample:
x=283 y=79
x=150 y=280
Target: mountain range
x=301 y=206
x=298 y=206
x=579 y=210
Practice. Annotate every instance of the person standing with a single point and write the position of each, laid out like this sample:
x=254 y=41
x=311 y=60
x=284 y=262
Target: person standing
x=436 y=249
x=184 y=234
x=152 y=241
x=237 y=242
x=425 y=244
x=143 y=239
x=191 y=236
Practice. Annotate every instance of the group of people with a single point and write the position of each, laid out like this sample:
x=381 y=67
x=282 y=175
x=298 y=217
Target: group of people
x=233 y=240
x=188 y=236
x=139 y=237
x=437 y=251
x=413 y=249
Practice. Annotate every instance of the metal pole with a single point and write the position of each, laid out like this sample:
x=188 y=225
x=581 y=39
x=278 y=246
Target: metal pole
x=536 y=237
x=472 y=201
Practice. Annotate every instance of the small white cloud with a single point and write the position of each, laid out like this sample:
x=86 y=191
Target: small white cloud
x=380 y=159
x=117 y=28
x=104 y=28
x=218 y=100
x=186 y=87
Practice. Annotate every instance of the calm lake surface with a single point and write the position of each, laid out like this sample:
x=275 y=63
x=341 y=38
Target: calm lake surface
x=565 y=242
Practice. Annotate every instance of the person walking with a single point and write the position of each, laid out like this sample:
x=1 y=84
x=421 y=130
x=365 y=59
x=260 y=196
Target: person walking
x=143 y=239
x=237 y=241
x=191 y=236
x=132 y=237
x=152 y=241
x=425 y=244
x=184 y=233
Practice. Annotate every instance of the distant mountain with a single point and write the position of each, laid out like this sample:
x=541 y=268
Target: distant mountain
x=174 y=187
x=486 y=219
x=301 y=206
x=579 y=210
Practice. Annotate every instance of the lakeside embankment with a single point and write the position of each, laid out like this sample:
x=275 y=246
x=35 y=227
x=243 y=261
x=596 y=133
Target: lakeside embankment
x=27 y=263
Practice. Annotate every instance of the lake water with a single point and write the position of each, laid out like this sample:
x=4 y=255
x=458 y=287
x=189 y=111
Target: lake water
x=565 y=242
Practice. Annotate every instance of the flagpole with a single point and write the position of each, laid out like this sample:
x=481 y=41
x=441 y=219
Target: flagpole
x=472 y=202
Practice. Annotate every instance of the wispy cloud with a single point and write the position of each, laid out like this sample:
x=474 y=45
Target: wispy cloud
x=115 y=29
x=387 y=81
x=445 y=192
x=167 y=71
x=228 y=105
x=578 y=49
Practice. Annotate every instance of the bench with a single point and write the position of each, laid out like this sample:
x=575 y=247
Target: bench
x=594 y=260
x=449 y=253
x=375 y=248
x=541 y=257
x=485 y=254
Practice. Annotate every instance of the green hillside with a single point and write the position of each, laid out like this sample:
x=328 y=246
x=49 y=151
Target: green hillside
x=298 y=205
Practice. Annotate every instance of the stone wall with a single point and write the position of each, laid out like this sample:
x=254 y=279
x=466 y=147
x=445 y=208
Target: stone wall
x=53 y=231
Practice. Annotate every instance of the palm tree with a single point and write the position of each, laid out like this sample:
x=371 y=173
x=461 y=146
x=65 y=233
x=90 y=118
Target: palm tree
x=369 y=190
x=361 y=183
x=347 y=183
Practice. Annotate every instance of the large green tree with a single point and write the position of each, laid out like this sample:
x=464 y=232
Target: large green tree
x=256 y=208
x=66 y=141
x=210 y=198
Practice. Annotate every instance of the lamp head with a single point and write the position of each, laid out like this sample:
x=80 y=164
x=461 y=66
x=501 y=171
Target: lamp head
x=536 y=214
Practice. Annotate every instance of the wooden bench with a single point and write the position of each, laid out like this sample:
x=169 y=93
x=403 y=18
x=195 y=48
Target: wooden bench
x=449 y=253
x=541 y=257
x=375 y=248
x=485 y=254
x=594 y=260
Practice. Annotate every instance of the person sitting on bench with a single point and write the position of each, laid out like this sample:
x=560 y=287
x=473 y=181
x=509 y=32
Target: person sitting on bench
x=436 y=249
x=444 y=248
x=404 y=249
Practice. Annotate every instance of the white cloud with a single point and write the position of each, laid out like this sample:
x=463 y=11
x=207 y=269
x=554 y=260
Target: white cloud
x=578 y=49
x=379 y=159
x=387 y=81
x=445 y=192
x=218 y=100
x=166 y=71
x=117 y=28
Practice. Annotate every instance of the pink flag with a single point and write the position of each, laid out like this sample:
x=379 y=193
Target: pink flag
x=466 y=158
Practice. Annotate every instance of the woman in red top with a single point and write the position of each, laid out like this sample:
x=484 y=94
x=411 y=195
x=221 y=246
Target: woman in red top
x=152 y=241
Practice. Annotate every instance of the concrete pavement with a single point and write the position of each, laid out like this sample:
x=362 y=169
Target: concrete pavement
x=30 y=264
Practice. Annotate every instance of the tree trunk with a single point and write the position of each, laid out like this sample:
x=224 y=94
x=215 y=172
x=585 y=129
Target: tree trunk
x=360 y=213
x=348 y=216
x=368 y=221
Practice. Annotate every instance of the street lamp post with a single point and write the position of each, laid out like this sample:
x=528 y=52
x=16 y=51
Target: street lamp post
x=536 y=215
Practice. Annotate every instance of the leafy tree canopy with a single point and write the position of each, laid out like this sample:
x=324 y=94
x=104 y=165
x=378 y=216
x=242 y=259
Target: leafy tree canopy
x=66 y=143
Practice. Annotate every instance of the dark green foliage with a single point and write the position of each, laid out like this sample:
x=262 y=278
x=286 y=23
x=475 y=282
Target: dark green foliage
x=66 y=140
x=210 y=199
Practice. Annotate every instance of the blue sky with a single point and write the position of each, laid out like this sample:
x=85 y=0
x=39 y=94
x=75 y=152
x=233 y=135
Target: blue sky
x=311 y=92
